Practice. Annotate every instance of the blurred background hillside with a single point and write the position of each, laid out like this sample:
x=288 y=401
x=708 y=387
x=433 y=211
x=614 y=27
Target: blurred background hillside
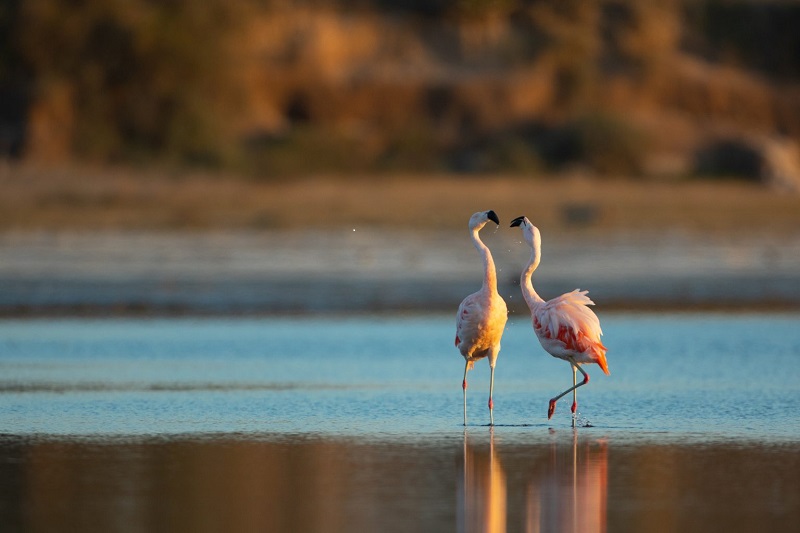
x=337 y=149
x=279 y=88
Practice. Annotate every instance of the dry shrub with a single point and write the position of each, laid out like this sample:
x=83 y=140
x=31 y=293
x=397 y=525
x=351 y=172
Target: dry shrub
x=610 y=145
x=143 y=78
x=312 y=86
x=725 y=158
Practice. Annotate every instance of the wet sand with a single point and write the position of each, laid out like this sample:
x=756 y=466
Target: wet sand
x=357 y=270
x=112 y=241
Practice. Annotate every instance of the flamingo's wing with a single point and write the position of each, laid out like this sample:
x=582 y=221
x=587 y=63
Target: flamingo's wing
x=568 y=325
x=570 y=311
x=468 y=310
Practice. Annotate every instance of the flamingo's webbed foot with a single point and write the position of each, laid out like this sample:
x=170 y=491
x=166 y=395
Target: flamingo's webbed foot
x=551 y=409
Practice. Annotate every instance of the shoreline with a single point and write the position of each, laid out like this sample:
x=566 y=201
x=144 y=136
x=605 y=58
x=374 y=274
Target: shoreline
x=96 y=242
x=240 y=274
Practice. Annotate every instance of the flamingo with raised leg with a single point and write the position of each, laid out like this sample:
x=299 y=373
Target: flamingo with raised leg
x=565 y=326
x=482 y=315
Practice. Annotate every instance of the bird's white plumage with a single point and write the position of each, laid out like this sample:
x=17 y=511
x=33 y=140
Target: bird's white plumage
x=482 y=315
x=480 y=322
x=566 y=326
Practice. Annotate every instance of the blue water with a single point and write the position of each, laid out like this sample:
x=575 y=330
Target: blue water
x=674 y=377
x=354 y=424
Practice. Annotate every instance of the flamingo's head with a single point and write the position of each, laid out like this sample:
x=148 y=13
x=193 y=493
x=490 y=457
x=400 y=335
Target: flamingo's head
x=479 y=219
x=529 y=232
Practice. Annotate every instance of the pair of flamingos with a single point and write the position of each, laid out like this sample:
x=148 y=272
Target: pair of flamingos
x=565 y=326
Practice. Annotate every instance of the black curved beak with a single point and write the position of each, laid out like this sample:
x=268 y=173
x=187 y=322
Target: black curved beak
x=517 y=222
x=491 y=215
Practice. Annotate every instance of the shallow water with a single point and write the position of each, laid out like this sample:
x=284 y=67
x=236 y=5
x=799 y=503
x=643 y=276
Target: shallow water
x=354 y=423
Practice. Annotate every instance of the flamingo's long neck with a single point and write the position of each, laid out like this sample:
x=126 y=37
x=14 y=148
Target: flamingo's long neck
x=528 y=292
x=489 y=273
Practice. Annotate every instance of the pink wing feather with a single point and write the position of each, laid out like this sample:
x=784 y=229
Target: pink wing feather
x=569 y=320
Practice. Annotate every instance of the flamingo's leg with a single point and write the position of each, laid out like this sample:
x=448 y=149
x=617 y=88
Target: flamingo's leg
x=574 y=393
x=552 y=407
x=464 y=388
x=491 y=402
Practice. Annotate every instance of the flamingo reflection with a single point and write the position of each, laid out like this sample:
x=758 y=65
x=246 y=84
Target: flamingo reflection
x=482 y=490
x=571 y=494
x=566 y=488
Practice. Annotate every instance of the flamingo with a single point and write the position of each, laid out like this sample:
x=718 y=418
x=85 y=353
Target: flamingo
x=565 y=326
x=482 y=315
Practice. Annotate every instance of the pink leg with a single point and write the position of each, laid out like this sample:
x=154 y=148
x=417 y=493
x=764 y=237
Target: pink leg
x=552 y=406
x=574 y=395
x=464 y=388
x=491 y=402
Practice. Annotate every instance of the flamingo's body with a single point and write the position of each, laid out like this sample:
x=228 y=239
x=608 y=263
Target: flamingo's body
x=482 y=315
x=566 y=326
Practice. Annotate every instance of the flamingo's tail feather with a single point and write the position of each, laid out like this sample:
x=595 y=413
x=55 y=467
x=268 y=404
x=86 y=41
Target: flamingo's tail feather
x=600 y=359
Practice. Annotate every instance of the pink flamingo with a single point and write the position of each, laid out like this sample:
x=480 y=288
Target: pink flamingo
x=482 y=315
x=566 y=327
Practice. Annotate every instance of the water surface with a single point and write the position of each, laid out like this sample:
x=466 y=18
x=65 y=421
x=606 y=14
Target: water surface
x=354 y=423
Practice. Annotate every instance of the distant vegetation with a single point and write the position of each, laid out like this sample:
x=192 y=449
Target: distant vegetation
x=282 y=88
